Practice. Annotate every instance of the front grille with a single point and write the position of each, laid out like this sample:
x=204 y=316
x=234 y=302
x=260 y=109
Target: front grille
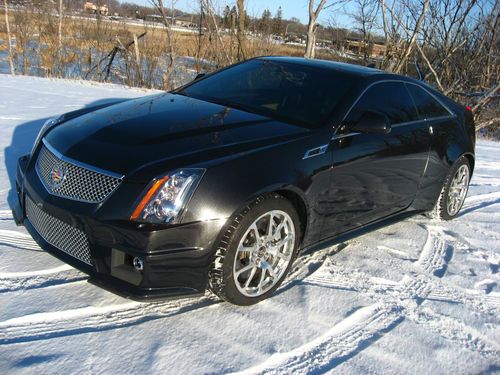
x=59 y=234
x=75 y=182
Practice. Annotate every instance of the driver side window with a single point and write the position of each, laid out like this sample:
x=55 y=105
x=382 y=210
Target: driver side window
x=387 y=98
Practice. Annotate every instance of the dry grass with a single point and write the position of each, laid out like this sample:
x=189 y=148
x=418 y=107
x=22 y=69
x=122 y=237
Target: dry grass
x=88 y=41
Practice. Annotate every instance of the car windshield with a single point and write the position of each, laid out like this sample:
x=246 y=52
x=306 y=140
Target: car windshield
x=295 y=93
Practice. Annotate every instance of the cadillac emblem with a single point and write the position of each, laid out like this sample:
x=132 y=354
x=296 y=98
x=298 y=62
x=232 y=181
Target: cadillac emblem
x=57 y=175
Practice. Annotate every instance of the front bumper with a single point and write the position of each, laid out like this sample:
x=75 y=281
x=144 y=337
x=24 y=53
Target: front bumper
x=176 y=259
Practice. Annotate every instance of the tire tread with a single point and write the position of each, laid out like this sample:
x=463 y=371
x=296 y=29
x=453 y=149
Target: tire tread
x=439 y=212
x=216 y=278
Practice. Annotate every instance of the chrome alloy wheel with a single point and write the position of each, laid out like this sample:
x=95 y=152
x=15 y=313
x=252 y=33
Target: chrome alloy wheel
x=264 y=253
x=458 y=190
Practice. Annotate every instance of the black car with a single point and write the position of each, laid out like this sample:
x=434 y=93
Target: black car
x=222 y=183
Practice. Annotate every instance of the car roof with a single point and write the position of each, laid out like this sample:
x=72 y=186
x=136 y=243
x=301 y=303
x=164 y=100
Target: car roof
x=366 y=75
x=357 y=70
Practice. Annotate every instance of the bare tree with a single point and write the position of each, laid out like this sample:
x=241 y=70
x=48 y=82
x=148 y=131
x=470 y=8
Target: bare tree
x=25 y=30
x=313 y=23
x=167 y=76
x=364 y=17
x=311 y=27
x=9 y=37
x=213 y=24
x=413 y=38
x=455 y=43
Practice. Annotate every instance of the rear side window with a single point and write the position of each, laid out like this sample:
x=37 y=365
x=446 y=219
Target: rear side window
x=387 y=98
x=427 y=106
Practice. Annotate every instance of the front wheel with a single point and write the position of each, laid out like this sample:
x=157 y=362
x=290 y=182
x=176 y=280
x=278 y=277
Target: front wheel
x=454 y=191
x=256 y=252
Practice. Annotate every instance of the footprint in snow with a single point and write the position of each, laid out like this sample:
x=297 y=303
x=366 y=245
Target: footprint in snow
x=486 y=285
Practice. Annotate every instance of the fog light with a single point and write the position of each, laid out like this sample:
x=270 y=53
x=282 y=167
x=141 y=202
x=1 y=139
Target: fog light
x=138 y=263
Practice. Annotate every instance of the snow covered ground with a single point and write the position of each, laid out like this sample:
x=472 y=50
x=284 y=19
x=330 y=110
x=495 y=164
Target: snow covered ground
x=419 y=296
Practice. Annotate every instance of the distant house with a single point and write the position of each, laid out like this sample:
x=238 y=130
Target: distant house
x=185 y=21
x=357 y=45
x=153 y=18
x=180 y=21
x=92 y=8
x=295 y=38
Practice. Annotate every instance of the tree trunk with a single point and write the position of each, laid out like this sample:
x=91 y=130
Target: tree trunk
x=242 y=53
x=138 y=61
x=9 y=37
x=59 y=48
x=60 y=22
x=311 y=39
x=384 y=20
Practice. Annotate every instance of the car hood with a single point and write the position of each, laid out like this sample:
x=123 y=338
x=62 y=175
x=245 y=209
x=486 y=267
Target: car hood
x=166 y=129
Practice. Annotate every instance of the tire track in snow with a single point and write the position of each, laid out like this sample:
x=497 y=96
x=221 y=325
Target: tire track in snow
x=307 y=264
x=15 y=281
x=374 y=287
x=397 y=301
x=348 y=337
x=47 y=325
x=92 y=318
x=18 y=240
x=455 y=331
x=366 y=325
x=486 y=197
x=397 y=253
x=338 y=344
x=6 y=215
x=436 y=253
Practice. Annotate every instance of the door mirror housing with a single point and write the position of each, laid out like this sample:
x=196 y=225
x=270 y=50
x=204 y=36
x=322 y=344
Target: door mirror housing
x=371 y=122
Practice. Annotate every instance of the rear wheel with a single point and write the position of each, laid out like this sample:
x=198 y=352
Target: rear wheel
x=256 y=252
x=454 y=191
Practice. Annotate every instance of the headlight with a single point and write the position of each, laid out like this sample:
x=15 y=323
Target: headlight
x=166 y=197
x=51 y=122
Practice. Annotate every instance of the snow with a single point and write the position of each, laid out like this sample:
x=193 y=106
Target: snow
x=419 y=296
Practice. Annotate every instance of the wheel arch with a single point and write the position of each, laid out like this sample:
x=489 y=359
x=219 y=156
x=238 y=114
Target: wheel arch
x=300 y=205
x=294 y=195
x=455 y=150
x=471 y=159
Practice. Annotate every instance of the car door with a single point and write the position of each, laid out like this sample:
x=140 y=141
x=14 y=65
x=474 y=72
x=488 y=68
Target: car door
x=376 y=174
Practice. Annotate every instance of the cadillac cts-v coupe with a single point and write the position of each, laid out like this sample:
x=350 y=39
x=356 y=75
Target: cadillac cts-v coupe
x=222 y=183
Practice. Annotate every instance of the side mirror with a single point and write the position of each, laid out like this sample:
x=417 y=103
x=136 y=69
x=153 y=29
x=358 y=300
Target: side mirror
x=199 y=75
x=372 y=122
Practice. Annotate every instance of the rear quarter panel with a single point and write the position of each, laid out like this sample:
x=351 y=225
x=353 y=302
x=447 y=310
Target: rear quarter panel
x=453 y=137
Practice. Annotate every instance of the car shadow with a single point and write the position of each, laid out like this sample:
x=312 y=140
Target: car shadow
x=23 y=137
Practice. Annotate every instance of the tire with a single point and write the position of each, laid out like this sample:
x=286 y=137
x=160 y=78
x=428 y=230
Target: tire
x=248 y=251
x=449 y=192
